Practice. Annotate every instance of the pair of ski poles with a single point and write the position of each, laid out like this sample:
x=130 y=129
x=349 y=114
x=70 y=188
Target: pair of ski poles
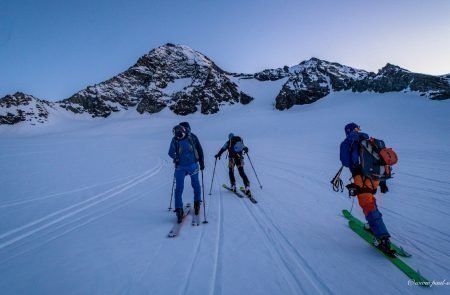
x=214 y=172
x=338 y=184
x=203 y=193
x=212 y=181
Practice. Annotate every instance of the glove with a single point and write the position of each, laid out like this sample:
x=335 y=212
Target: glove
x=353 y=189
x=245 y=149
x=217 y=156
x=202 y=165
x=176 y=162
x=383 y=187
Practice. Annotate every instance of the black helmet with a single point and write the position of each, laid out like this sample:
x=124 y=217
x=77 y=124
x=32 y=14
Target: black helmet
x=186 y=126
x=179 y=132
x=350 y=127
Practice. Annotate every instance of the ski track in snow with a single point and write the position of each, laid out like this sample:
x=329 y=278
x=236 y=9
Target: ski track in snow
x=294 y=166
x=62 y=194
x=55 y=218
x=195 y=256
x=140 y=277
x=281 y=250
x=286 y=252
x=77 y=223
x=216 y=286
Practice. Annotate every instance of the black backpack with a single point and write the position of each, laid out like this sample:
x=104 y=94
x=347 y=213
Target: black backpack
x=376 y=159
x=235 y=146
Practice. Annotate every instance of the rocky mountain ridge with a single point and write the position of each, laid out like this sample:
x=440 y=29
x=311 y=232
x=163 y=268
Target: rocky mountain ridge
x=185 y=81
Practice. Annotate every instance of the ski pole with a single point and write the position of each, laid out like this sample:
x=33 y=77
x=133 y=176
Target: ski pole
x=204 y=206
x=171 y=195
x=212 y=180
x=337 y=182
x=260 y=185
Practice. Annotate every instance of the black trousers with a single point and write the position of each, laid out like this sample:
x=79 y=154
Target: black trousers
x=239 y=163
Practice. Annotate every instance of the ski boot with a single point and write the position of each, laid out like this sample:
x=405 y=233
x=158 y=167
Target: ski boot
x=384 y=244
x=180 y=214
x=247 y=191
x=233 y=187
x=196 y=207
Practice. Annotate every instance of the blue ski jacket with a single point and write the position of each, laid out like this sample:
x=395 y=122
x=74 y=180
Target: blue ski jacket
x=186 y=151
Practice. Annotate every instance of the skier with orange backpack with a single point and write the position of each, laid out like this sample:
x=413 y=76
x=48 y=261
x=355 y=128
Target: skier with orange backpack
x=370 y=163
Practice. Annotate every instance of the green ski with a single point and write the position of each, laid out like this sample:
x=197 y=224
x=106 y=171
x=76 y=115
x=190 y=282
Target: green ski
x=399 y=250
x=248 y=194
x=235 y=192
x=358 y=227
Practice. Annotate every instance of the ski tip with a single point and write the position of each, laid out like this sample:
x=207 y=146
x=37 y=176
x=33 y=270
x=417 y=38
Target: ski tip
x=346 y=213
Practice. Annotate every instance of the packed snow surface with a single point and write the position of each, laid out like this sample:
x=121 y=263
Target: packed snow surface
x=84 y=203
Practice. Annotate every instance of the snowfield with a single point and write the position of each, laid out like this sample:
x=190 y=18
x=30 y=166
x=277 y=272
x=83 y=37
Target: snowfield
x=84 y=202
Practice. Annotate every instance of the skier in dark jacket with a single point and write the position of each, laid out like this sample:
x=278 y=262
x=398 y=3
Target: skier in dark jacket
x=235 y=147
x=365 y=188
x=187 y=154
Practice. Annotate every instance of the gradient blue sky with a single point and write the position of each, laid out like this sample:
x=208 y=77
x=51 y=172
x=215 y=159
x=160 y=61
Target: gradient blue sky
x=54 y=48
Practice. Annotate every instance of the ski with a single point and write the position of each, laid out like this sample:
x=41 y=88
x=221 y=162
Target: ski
x=358 y=227
x=236 y=193
x=175 y=231
x=249 y=195
x=399 y=250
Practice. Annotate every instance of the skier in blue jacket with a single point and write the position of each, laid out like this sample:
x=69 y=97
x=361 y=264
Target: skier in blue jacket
x=187 y=154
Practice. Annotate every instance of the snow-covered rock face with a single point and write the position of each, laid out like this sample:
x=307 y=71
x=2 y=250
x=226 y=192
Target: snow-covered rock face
x=22 y=107
x=185 y=81
x=393 y=78
x=314 y=79
x=173 y=76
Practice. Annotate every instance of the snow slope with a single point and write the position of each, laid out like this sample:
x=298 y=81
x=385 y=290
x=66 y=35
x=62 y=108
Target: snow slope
x=83 y=205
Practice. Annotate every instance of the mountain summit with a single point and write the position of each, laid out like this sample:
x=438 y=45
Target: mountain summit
x=173 y=76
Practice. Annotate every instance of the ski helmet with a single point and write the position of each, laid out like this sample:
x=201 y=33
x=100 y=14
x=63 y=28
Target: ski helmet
x=230 y=136
x=179 y=132
x=186 y=126
x=350 y=127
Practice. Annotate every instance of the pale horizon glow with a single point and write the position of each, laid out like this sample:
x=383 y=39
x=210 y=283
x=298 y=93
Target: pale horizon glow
x=52 y=49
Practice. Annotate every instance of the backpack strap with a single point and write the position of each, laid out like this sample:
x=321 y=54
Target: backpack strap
x=177 y=150
x=191 y=141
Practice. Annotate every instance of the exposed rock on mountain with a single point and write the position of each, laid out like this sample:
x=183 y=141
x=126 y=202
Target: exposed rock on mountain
x=315 y=78
x=173 y=76
x=185 y=81
x=21 y=107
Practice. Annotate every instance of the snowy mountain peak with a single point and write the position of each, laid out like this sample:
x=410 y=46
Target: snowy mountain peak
x=21 y=107
x=174 y=56
x=173 y=76
x=390 y=69
x=314 y=78
x=186 y=81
